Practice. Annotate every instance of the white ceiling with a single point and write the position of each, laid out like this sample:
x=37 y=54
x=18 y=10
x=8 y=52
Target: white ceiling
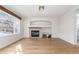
x=32 y=10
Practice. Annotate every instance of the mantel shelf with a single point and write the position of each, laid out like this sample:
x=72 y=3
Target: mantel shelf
x=38 y=26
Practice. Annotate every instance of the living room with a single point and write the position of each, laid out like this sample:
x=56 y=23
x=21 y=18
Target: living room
x=38 y=22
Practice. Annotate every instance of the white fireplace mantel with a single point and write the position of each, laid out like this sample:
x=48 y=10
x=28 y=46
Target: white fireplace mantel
x=43 y=26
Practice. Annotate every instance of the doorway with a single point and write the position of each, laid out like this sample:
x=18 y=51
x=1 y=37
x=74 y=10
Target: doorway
x=77 y=26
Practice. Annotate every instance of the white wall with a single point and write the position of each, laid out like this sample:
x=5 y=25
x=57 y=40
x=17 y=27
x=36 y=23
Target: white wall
x=28 y=20
x=55 y=27
x=6 y=40
x=67 y=26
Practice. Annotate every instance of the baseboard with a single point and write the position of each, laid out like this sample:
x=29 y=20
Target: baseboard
x=55 y=38
x=66 y=41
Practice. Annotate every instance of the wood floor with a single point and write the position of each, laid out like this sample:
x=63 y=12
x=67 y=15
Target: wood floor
x=40 y=46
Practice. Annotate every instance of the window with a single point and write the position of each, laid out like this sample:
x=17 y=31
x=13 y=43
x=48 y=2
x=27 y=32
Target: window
x=8 y=24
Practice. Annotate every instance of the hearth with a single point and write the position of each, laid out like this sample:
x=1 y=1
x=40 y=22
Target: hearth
x=34 y=33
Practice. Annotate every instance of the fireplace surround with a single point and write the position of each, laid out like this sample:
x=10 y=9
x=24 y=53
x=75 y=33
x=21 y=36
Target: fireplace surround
x=37 y=28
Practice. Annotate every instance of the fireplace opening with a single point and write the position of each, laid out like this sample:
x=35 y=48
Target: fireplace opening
x=34 y=33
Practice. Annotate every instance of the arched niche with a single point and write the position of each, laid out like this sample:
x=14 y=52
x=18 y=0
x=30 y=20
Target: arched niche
x=40 y=23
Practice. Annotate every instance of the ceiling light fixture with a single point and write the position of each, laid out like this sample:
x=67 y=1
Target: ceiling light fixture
x=41 y=8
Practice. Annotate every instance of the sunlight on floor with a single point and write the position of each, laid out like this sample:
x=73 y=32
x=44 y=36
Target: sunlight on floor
x=19 y=49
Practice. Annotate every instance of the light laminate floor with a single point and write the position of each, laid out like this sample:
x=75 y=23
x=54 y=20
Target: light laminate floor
x=40 y=46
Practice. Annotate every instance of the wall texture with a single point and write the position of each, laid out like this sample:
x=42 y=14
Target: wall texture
x=67 y=26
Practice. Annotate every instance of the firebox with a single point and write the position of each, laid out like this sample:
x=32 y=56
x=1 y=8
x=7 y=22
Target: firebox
x=34 y=33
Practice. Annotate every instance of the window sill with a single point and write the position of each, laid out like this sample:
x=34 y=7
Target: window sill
x=7 y=34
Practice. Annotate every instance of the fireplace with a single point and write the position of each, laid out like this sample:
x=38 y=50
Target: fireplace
x=34 y=33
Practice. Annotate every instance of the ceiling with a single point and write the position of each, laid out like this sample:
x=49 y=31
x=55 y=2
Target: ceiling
x=32 y=10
